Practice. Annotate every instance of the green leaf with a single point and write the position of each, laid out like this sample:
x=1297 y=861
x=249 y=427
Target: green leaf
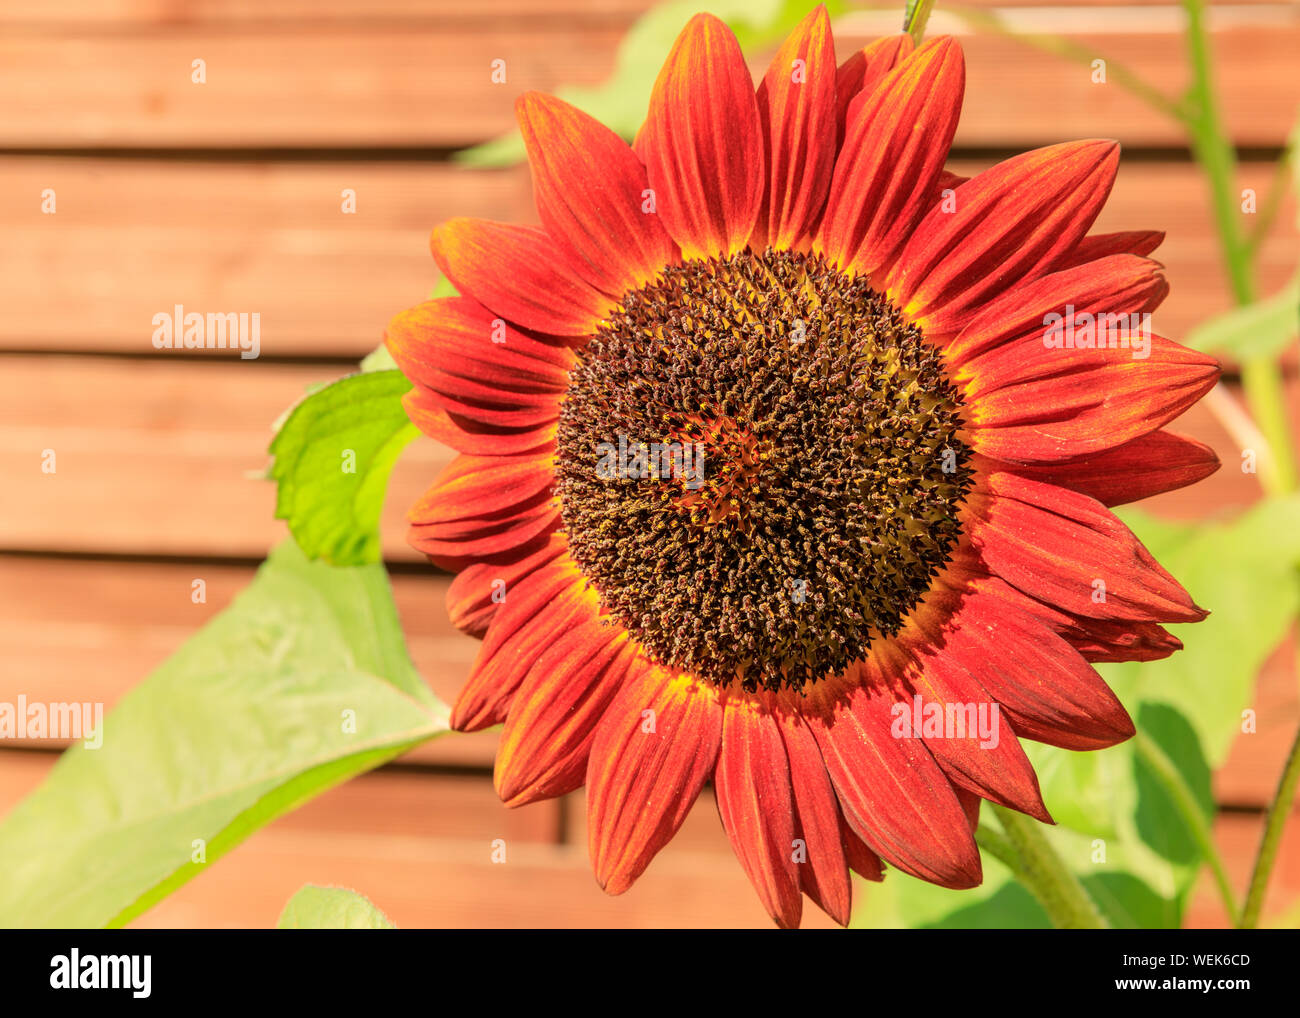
x=1160 y=822
x=1258 y=330
x=331 y=908
x=301 y=683
x=333 y=456
x=620 y=102
x=1247 y=574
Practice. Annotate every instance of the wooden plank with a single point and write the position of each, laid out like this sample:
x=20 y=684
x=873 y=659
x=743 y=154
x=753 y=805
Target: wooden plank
x=87 y=631
x=421 y=849
x=78 y=631
x=140 y=13
x=132 y=238
x=153 y=457
x=430 y=85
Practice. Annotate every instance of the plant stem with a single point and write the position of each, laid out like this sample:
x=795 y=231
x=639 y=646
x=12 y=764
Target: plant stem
x=1260 y=378
x=997 y=845
x=1172 y=779
x=1268 y=845
x=915 y=16
x=1046 y=876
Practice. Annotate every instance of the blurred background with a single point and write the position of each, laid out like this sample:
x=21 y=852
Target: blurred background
x=228 y=195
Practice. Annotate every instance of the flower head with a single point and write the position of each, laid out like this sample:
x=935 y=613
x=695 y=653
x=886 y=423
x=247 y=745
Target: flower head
x=785 y=462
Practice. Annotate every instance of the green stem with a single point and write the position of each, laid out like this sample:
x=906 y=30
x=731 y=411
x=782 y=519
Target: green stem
x=915 y=16
x=1260 y=377
x=1268 y=845
x=997 y=845
x=1185 y=802
x=1070 y=50
x=1046 y=876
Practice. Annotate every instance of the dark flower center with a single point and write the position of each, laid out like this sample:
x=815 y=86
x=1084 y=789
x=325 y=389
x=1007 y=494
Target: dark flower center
x=758 y=467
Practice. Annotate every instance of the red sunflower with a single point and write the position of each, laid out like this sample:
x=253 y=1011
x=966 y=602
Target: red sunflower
x=769 y=459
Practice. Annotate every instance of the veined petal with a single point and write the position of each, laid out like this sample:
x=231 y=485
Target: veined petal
x=656 y=746
x=894 y=795
x=1041 y=684
x=535 y=615
x=893 y=153
x=968 y=739
x=1148 y=465
x=1012 y=223
x=702 y=143
x=858 y=76
x=1052 y=404
x=517 y=272
x=1103 y=245
x=1066 y=549
x=479 y=589
x=553 y=716
x=591 y=195
x=824 y=871
x=429 y=412
x=756 y=804
x=482 y=506
x=796 y=108
x=1120 y=284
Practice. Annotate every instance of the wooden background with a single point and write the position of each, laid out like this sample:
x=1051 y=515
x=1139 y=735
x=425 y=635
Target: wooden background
x=226 y=197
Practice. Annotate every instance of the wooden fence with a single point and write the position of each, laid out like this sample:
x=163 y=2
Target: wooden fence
x=227 y=196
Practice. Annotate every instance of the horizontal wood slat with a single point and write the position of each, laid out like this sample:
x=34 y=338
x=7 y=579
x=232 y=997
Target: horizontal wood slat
x=421 y=849
x=87 y=631
x=131 y=239
x=150 y=13
x=431 y=85
x=152 y=458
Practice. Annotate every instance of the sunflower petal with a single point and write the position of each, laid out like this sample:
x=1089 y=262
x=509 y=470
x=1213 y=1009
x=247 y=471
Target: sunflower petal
x=892 y=156
x=756 y=804
x=591 y=195
x=823 y=871
x=535 y=614
x=654 y=749
x=796 y=108
x=519 y=273
x=1012 y=223
x=553 y=717
x=479 y=589
x=702 y=143
x=1148 y=465
x=1068 y=550
x=893 y=793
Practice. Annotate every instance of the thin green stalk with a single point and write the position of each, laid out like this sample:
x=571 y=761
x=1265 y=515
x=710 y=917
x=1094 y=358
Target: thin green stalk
x=1185 y=802
x=997 y=845
x=1266 y=216
x=915 y=16
x=1260 y=378
x=1070 y=50
x=1041 y=870
x=1268 y=845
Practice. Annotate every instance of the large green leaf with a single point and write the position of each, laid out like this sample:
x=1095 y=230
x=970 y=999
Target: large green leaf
x=1262 y=329
x=301 y=683
x=333 y=455
x=620 y=102
x=1247 y=574
x=331 y=908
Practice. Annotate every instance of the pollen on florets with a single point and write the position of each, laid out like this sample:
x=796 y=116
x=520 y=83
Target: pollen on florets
x=789 y=470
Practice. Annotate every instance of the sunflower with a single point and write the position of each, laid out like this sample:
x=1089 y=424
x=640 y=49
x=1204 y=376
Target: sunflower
x=773 y=472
